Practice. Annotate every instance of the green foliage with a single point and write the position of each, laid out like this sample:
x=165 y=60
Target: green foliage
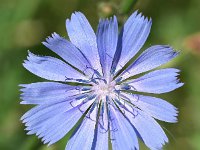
x=127 y=6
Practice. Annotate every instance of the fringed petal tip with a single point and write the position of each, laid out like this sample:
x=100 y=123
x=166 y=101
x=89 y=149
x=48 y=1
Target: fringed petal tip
x=50 y=39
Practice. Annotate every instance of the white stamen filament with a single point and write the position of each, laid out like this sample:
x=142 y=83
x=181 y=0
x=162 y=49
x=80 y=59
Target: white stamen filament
x=103 y=89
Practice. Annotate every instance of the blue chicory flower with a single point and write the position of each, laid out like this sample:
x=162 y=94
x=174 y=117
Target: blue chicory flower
x=108 y=103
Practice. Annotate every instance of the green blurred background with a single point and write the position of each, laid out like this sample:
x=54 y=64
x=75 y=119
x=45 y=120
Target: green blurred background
x=24 y=24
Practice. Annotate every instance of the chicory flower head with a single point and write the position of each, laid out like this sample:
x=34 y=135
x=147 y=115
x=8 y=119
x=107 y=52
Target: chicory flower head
x=108 y=102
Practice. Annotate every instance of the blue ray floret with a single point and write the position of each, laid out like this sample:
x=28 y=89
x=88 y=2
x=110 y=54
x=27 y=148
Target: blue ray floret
x=96 y=91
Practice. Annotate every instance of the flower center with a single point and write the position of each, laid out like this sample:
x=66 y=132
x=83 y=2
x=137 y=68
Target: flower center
x=102 y=89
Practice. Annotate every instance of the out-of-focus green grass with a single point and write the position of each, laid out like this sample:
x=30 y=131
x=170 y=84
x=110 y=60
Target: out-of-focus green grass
x=24 y=24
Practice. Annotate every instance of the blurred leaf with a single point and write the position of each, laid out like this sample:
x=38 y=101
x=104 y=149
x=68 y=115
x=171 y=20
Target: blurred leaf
x=127 y=6
x=11 y=14
x=195 y=141
x=30 y=143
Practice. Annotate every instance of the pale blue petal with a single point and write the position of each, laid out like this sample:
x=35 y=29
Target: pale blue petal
x=155 y=107
x=67 y=51
x=44 y=112
x=57 y=130
x=51 y=68
x=151 y=58
x=123 y=135
x=149 y=130
x=102 y=130
x=51 y=108
x=84 y=135
x=107 y=36
x=47 y=92
x=58 y=125
x=83 y=37
x=133 y=36
x=159 y=81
